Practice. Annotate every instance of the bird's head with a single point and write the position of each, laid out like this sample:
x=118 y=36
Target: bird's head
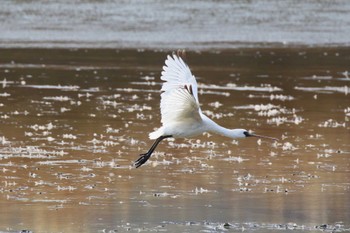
x=243 y=133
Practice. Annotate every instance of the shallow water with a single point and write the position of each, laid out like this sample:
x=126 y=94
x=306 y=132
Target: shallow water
x=176 y=24
x=73 y=121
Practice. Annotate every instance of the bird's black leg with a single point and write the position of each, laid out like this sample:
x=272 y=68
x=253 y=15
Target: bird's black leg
x=144 y=157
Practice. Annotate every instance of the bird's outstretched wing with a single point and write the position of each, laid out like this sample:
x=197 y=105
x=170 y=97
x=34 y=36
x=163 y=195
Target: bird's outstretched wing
x=177 y=74
x=179 y=100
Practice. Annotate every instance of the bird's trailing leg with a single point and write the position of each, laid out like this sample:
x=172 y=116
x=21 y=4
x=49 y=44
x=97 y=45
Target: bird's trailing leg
x=144 y=157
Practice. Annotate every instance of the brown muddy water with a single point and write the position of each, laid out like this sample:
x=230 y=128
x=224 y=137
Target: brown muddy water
x=73 y=121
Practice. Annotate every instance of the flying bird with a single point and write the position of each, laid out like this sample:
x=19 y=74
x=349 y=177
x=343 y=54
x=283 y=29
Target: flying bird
x=181 y=115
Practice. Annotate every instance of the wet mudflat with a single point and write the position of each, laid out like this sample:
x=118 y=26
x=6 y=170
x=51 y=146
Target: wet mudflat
x=73 y=121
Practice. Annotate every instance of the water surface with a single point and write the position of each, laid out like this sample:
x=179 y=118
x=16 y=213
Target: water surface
x=175 y=24
x=73 y=121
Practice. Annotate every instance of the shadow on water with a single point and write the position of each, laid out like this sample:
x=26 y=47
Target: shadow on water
x=73 y=121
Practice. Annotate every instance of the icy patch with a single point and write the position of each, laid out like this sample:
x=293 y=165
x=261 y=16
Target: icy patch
x=5 y=94
x=232 y=86
x=288 y=146
x=37 y=127
x=347 y=112
x=147 y=83
x=148 y=78
x=5 y=83
x=330 y=123
x=272 y=97
x=315 y=77
x=30 y=152
x=59 y=162
x=4 y=141
x=295 y=119
x=58 y=87
x=201 y=190
x=264 y=109
x=238 y=159
x=213 y=115
x=57 y=98
x=326 y=89
x=209 y=92
x=215 y=104
x=136 y=90
x=274 y=111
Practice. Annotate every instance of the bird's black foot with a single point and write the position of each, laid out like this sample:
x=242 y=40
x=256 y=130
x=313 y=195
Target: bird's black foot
x=143 y=159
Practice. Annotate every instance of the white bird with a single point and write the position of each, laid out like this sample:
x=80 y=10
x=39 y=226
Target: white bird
x=180 y=110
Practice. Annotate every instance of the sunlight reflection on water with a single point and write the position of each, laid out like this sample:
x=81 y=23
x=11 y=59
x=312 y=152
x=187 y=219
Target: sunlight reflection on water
x=72 y=126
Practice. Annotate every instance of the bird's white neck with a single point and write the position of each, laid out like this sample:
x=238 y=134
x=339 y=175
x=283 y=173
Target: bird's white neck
x=218 y=129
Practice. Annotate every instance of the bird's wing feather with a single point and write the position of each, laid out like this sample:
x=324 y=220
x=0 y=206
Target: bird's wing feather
x=177 y=74
x=179 y=98
x=179 y=106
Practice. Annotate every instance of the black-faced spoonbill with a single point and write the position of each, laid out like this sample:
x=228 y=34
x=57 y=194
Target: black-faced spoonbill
x=180 y=110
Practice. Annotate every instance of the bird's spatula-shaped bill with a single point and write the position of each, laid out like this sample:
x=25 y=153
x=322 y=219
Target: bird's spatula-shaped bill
x=260 y=136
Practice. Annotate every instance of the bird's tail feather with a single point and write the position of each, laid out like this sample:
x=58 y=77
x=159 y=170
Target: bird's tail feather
x=156 y=134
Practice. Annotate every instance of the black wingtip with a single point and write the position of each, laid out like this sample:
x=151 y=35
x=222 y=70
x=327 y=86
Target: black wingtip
x=181 y=53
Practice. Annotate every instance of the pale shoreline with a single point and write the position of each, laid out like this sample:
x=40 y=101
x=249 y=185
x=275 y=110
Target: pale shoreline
x=154 y=25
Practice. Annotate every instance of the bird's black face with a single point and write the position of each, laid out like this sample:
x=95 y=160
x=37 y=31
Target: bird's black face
x=247 y=134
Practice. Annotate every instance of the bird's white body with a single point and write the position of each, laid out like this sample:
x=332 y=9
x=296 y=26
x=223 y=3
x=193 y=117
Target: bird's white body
x=179 y=106
x=180 y=110
x=187 y=129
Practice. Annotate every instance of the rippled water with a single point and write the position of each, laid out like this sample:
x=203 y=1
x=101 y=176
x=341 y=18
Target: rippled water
x=175 y=24
x=73 y=121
